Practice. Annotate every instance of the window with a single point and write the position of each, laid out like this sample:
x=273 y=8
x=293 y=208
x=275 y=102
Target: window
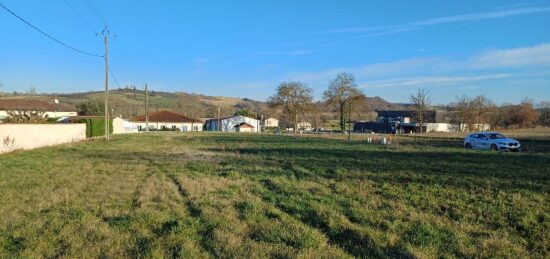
x=195 y=128
x=496 y=136
x=173 y=127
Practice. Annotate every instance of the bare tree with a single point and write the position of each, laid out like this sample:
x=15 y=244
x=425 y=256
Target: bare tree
x=460 y=110
x=523 y=115
x=544 y=111
x=482 y=110
x=294 y=98
x=470 y=112
x=342 y=92
x=421 y=101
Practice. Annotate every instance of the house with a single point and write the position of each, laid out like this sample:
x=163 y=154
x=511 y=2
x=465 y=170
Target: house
x=270 y=122
x=122 y=126
x=49 y=109
x=244 y=127
x=304 y=126
x=167 y=120
x=231 y=124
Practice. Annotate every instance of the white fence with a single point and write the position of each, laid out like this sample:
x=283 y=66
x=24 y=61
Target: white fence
x=29 y=136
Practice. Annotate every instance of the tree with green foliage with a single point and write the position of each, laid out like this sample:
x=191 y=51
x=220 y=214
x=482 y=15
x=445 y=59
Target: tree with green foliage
x=246 y=113
x=342 y=92
x=94 y=106
x=294 y=97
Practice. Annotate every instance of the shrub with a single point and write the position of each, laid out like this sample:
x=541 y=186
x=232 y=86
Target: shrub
x=95 y=127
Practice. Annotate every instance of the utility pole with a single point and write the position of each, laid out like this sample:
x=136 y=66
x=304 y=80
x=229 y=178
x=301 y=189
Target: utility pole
x=106 y=33
x=146 y=109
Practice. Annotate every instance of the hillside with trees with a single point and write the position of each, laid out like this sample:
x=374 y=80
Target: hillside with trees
x=130 y=102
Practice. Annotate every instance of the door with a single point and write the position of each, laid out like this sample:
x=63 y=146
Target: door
x=482 y=142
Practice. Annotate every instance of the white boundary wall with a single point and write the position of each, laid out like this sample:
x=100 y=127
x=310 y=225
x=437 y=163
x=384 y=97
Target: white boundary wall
x=29 y=136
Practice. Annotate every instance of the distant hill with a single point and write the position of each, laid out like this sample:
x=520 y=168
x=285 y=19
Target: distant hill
x=130 y=103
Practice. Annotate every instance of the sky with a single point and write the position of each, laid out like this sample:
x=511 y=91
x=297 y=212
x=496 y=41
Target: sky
x=500 y=49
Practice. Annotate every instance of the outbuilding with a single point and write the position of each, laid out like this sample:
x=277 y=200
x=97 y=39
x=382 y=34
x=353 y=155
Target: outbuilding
x=244 y=127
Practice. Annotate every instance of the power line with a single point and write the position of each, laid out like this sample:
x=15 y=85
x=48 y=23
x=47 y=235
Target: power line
x=47 y=35
x=98 y=15
x=114 y=77
x=95 y=12
x=79 y=16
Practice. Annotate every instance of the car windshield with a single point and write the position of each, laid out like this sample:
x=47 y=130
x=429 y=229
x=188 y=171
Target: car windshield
x=496 y=136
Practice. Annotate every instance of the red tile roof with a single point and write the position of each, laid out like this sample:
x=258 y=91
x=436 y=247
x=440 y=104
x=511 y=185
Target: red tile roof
x=166 y=116
x=244 y=125
x=34 y=105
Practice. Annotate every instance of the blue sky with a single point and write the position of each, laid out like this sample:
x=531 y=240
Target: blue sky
x=500 y=49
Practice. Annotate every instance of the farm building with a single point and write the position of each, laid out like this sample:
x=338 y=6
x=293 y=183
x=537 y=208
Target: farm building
x=49 y=109
x=229 y=124
x=167 y=120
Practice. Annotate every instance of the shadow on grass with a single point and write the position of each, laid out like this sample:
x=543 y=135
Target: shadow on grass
x=467 y=169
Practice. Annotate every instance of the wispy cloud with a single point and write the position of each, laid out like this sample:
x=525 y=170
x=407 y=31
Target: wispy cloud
x=519 y=57
x=472 y=17
x=428 y=81
x=372 y=70
x=494 y=60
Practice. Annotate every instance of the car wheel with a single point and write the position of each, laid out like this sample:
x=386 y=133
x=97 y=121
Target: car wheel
x=494 y=147
x=468 y=146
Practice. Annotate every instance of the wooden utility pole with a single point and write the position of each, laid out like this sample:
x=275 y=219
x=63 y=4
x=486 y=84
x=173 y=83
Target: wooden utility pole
x=106 y=41
x=146 y=109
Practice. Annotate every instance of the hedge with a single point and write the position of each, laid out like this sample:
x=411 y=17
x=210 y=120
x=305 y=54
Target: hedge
x=95 y=127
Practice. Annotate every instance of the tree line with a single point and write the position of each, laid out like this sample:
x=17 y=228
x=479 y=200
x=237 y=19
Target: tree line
x=295 y=100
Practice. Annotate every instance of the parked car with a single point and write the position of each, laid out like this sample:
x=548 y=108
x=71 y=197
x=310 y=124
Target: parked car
x=491 y=141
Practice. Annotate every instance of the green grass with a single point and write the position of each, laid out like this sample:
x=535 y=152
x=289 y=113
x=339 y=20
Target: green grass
x=251 y=196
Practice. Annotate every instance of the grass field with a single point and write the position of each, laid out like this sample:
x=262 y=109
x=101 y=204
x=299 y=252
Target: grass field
x=252 y=196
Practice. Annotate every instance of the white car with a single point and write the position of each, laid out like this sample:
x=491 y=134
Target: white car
x=491 y=141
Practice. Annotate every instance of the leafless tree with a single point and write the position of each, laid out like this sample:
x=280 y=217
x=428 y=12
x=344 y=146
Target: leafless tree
x=544 y=111
x=294 y=98
x=523 y=115
x=468 y=112
x=342 y=92
x=421 y=101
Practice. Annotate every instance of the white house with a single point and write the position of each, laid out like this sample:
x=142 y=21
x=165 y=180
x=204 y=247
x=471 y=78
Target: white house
x=305 y=126
x=441 y=127
x=49 y=109
x=166 y=120
x=122 y=126
x=270 y=122
x=232 y=124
